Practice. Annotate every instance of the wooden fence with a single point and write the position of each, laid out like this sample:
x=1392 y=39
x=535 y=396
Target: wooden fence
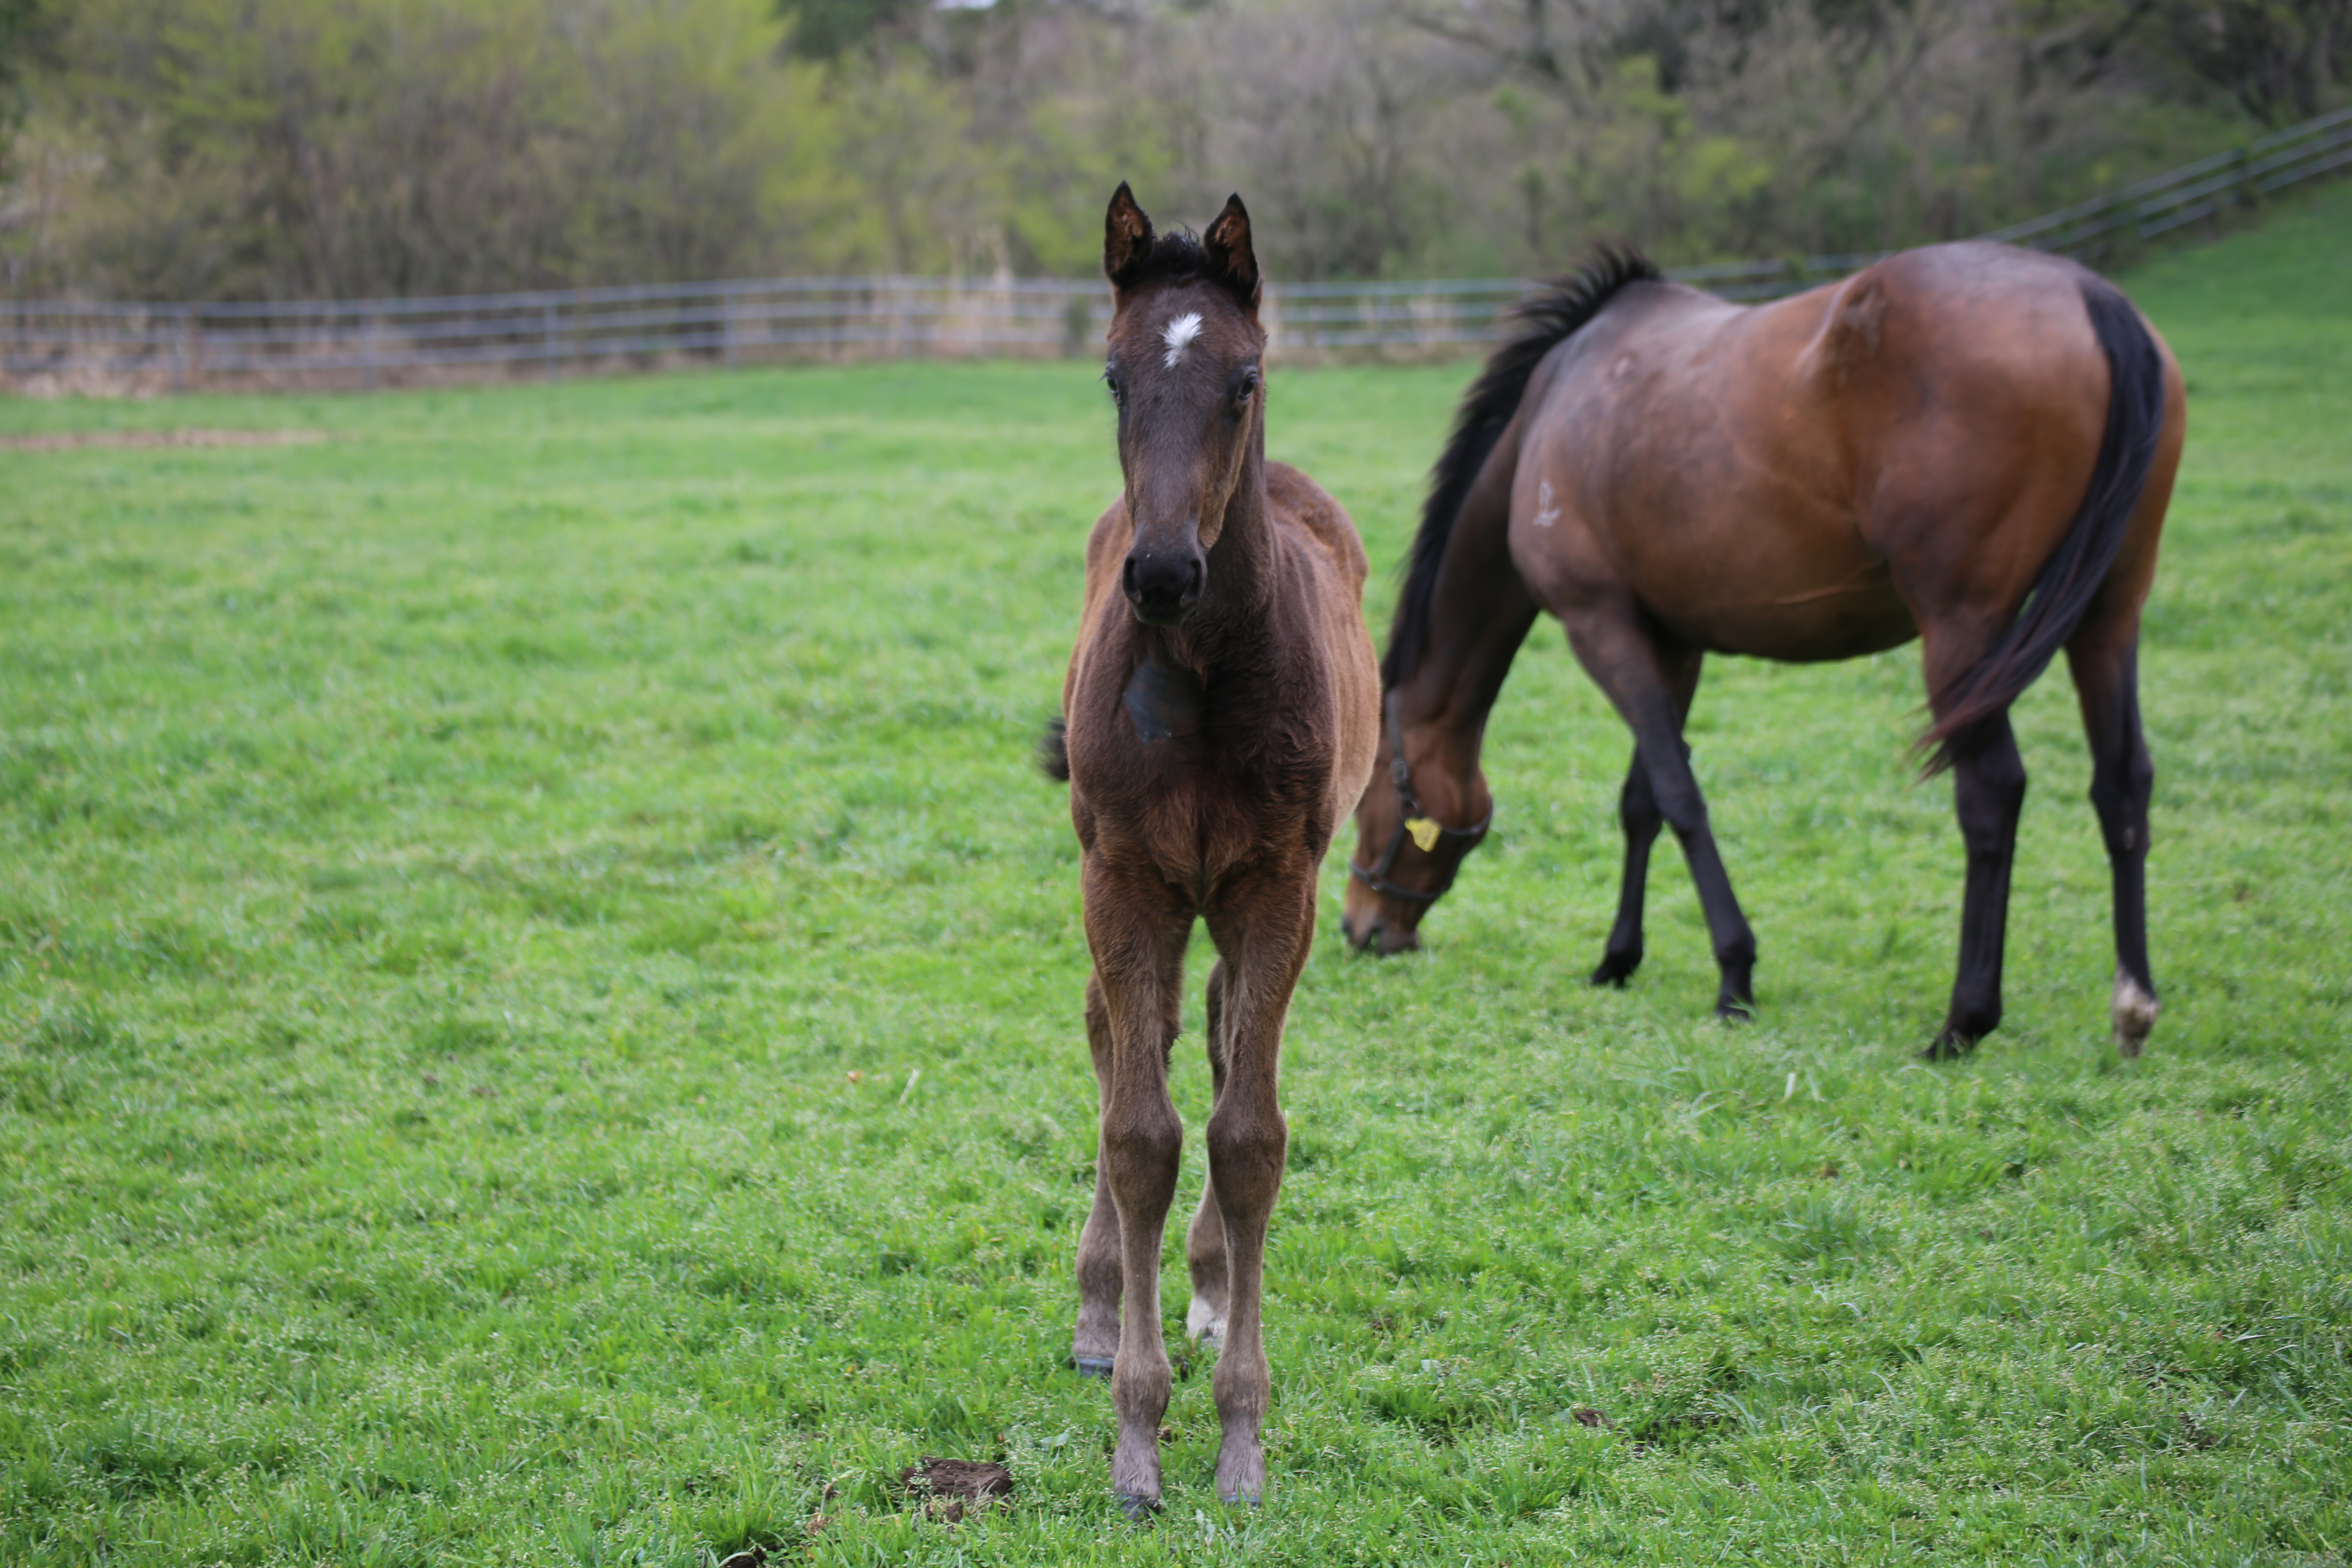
x=74 y=344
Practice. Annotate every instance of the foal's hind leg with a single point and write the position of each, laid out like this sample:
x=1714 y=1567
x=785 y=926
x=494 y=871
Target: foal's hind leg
x=1638 y=673
x=1263 y=931
x=1204 y=1242
x=1637 y=809
x=2106 y=680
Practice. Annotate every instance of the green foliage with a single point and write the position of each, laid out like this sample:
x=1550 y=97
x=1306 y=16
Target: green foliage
x=540 y=1022
x=281 y=148
x=827 y=29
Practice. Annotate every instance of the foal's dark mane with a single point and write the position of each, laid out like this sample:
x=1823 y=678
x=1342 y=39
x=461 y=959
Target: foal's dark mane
x=1176 y=256
x=1551 y=317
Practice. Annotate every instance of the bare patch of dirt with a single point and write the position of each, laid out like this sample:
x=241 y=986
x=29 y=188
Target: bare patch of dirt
x=950 y=1488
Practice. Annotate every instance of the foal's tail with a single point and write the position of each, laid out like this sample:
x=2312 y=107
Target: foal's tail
x=1053 y=748
x=1969 y=703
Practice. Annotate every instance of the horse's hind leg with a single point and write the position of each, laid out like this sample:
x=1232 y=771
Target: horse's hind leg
x=2106 y=681
x=1637 y=809
x=1264 y=932
x=1204 y=1242
x=1987 y=793
x=1095 y=1346
x=1640 y=677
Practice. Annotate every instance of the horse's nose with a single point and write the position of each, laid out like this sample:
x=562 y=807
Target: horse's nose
x=1163 y=585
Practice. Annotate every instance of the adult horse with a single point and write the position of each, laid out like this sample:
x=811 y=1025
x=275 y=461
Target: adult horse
x=1222 y=711
x=1968 y=444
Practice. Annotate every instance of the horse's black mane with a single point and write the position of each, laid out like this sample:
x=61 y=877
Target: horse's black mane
x=1550 y=316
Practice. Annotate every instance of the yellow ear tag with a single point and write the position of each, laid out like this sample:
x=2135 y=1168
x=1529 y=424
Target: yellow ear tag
x=1423 y=830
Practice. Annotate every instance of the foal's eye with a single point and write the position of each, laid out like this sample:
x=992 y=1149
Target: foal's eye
x=1117 y=388
x=1245 y=388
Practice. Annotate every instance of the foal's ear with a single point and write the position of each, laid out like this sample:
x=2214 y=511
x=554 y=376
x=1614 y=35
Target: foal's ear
x=1231 y=262
x=1127 y=238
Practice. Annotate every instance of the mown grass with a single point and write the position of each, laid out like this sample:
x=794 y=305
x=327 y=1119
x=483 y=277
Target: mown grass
x=539 y=1022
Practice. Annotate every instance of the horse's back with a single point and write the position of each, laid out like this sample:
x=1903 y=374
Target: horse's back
x=1300 y=502
x=1810 y=477
x=1318 y=522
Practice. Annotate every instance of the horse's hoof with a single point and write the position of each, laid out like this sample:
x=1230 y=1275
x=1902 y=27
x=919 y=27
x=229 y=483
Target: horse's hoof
x=2134 y=1013
x=1736 y=1012
x=1093 y=1366
x=1137 y=1508
x=1949 y=1046
x=1615 y=971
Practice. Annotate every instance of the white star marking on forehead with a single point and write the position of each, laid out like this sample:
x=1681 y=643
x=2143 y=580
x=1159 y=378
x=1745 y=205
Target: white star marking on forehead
x=1177 y=335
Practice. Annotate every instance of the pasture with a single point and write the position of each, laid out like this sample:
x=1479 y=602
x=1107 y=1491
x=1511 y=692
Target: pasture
x=540 y=1023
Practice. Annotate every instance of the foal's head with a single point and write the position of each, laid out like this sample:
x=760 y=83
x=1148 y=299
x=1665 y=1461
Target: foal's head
x=1184 y=369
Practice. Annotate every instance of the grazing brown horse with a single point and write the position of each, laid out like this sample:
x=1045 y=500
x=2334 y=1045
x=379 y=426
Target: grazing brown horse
x=1968 y=444
x=1221 y=716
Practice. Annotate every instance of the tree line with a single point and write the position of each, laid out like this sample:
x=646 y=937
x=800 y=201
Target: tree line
x=271 y=149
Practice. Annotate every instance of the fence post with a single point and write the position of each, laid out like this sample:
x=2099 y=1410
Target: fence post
x=547 y=343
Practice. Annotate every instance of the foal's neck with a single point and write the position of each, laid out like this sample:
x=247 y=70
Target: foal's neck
x=1241 y=567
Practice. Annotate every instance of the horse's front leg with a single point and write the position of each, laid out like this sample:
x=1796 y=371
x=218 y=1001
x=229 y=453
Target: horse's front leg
x=1637 y=809
x=1264 y=930
x=1640 y=671
x=1094 y=1345
x=1137 y=928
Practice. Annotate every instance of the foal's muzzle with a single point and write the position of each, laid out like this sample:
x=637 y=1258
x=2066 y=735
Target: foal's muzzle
x=1164 y=585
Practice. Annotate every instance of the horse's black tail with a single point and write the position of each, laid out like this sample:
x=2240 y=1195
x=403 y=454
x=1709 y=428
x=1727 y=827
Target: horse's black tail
x=1546 y=319
x=1968 y=706
x=1053 y=750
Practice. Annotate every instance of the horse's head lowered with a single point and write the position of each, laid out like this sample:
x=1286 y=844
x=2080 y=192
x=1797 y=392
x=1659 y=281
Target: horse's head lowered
x=1415 y=829
x=1184 y=367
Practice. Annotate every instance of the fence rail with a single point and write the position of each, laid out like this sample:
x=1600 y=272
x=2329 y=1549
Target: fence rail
x=67 y=344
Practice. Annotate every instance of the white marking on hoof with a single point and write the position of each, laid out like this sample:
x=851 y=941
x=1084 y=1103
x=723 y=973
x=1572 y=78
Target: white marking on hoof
x=1177 y=335
x=1093 y=1367
x=2134 y=1013
x=1205 y=1324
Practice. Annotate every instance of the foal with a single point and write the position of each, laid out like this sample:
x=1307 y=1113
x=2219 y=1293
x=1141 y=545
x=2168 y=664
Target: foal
x=1222 y=714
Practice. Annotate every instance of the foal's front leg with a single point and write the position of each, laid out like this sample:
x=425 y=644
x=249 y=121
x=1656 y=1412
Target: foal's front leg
x=1138 y=930
x=1094 y=1345
x=1265 y=933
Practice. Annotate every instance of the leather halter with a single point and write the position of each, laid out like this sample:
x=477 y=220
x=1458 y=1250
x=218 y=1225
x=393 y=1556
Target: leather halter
x=1408 y=809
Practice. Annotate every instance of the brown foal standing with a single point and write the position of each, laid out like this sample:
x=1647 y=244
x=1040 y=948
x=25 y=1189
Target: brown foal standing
x=1222 y=712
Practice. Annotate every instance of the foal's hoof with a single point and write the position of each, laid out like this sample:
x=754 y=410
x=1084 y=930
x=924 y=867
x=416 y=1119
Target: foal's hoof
x=2134 y=1013
x=1094 y=1365
x=1138 y=1508
x=1732 y=1010
x=1241 y=1474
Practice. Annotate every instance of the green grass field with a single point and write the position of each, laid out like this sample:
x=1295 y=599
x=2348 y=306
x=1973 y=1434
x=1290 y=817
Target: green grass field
x=540 y=1024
